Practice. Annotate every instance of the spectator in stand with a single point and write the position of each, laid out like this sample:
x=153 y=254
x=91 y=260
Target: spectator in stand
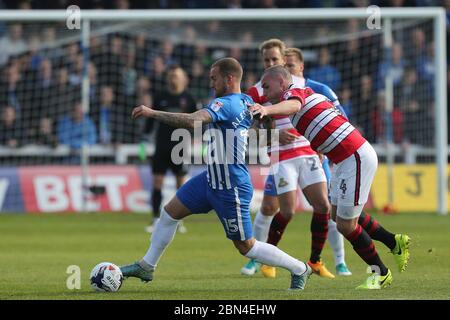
x=36 y=55
x=411 y=89
x=143 y=86
x=397 y=67
x=93 y=83
x=418 y=124
x=53 y=51
x=70 y=128
x=141 y=51
x=236 y=52
x=425 y=66
x=45 y=135
x=13 y=43
x=64 y=94
x=249 y=81
x=113 y=120
x=11 y=88
x=418 y=47
x=364 y=101
x=11 y=131
x=76 y=71
x=110 y=63
x=44 y=89
x=346 y=102
x=213 y=30
x=325 y=72
x=105 y=116
x=96 y=48
x=71 y=56
x=166 y=52
x=352 y=68
x=130 y=76
x=377 y=128
x=157 y=74
x=199 y=82
x=201 y=54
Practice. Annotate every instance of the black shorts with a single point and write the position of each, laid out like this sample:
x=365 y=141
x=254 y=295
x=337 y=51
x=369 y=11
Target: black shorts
x=161 y=162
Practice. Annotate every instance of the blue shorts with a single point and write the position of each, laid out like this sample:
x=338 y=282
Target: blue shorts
x=232 y=206
x=270 y=188
x=326 y=168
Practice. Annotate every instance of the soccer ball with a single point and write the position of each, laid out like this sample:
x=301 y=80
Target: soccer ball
x=106 y=277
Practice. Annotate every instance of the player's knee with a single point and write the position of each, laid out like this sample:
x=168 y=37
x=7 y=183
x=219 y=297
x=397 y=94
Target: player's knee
x=322 y=207
x=345 y=227
x=287 y=214
x=269 y=209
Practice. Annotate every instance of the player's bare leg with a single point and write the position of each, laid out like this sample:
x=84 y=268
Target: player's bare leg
x=261 y=225
x=268 y=254
x=162 y=236
x=317 y=195
x=363 y=245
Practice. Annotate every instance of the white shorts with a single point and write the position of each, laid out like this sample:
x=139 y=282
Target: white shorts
x=300 y=171
x=351 y=181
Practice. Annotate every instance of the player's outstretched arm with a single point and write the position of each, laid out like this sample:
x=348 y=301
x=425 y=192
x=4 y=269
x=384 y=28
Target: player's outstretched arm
x=178 y=120
x=283 y=108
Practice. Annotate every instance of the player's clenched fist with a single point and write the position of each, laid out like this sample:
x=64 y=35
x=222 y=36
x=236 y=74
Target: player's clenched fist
x=142 y=111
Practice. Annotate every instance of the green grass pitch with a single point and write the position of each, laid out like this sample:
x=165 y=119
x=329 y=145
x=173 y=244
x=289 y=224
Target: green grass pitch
x=35 y=251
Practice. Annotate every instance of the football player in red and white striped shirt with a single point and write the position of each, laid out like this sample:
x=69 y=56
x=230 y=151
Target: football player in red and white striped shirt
x=315 y=117
x=297 y=165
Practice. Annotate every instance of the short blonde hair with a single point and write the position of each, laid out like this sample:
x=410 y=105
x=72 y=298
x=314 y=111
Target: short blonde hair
x=272 y=43
x=229 y=66
x=289 y=52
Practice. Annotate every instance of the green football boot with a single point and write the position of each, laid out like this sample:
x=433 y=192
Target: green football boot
x=401 y=251
x=376 y=281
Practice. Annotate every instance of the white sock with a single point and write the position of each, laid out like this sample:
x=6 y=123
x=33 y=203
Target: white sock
x=336 y=242
x=161 y=237
x=261 y=226
x=266 y=253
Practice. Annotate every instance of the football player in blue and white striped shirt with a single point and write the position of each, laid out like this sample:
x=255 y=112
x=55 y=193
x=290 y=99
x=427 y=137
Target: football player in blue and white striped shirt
x=225 y=186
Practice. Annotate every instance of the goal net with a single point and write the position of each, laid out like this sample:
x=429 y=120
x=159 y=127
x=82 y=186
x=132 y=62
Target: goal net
x=65 y=103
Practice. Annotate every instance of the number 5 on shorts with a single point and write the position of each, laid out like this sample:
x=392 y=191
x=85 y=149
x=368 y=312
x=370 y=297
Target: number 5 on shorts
x=230 y=225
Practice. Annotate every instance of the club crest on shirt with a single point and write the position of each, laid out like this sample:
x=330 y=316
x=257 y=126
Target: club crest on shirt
x=287 y=95
x=216 y=106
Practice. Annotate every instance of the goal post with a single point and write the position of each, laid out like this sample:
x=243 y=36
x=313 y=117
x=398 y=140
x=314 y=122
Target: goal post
x=307 y=29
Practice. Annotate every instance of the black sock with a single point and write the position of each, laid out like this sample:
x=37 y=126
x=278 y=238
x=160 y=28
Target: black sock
x=364 y=247
x=277 y=227
x=376 y=231
x=156 y=202
x=319 y=232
